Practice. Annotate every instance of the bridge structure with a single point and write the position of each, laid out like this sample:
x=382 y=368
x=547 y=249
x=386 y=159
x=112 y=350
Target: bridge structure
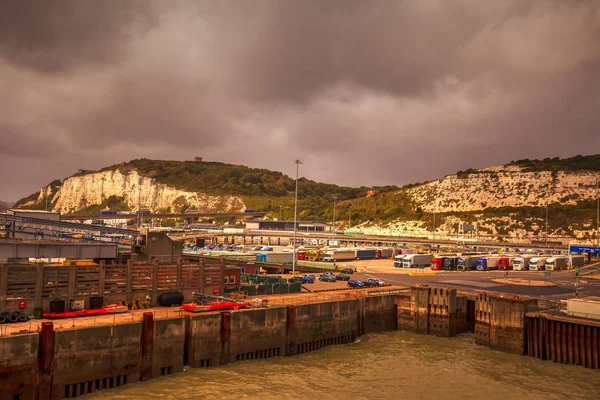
x=16 y=249
x=13 y=227
x=187 y=215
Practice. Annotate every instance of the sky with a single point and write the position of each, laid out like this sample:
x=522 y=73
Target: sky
x=363 y=92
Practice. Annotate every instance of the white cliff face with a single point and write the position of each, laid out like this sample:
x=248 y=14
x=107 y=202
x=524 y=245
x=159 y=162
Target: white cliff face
x=138 y=192
x=504 y=186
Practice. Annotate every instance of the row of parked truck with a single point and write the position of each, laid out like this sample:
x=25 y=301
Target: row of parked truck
x=328 y=255
x=480 y=262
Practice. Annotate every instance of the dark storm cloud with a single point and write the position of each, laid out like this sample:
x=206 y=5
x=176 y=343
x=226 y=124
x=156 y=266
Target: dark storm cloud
x=365 y=92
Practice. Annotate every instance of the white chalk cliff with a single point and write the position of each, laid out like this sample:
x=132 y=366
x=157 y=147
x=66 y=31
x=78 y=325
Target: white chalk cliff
x=138 y=192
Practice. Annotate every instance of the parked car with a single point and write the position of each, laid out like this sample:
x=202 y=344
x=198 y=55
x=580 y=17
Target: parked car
x=308 y=278
x=295 y=279
x=374 y=282
x=355 y=284
x=342 y=277
x=348 y=271
x=327 y=278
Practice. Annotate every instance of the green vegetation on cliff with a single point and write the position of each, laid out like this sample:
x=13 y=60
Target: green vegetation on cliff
x=577 y=163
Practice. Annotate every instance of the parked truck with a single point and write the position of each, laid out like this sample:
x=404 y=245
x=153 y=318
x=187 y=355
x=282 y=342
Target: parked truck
x=398 y=260
x=522 y=263
x=417 y=261
x=505 y=263
x=339 y=255
x=366 y=254
x=556 y=263
x=487 y=263
x=537 y=263
x=384 y=253
x=577 y=260
x=467 y=263
x=449 y=263
x=436 y=263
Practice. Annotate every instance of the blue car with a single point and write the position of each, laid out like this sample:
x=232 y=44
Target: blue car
x=355 y=284
x=308 y=279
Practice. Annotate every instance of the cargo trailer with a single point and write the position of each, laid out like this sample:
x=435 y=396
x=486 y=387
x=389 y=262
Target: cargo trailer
x=366 y=254
x=487 y=263
x=556 y=263
x=417 y=261
x=339 y=255
x=467 y=263
x=577 y=260
x=384 y=253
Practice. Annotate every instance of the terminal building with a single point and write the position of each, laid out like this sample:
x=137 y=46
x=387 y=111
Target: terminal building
x=301 y=226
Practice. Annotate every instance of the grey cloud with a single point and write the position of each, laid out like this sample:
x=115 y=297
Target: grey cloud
x=365 y=92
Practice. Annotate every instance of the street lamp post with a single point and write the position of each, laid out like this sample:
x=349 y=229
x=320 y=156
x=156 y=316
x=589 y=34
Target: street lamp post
x=349 y=215
x=294 y=255
x=46 y=195
x=102 y=193
x=333 y=225
x=597 y=213
x=546 y=223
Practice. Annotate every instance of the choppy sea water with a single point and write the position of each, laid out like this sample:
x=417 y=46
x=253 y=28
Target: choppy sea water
x=393 y=365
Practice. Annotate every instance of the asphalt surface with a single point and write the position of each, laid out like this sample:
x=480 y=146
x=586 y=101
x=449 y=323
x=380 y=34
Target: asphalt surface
x=567 y=284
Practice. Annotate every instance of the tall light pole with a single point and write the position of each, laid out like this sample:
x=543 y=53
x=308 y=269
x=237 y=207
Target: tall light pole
x=139 y=206
x=102 y=193
x=46 y=195
x=333 y=225
x=597 y=213
x=546 y=223
x=294 y=255
x=349 y=215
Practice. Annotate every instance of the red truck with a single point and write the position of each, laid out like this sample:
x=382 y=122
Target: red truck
x=505 y=263
x=436 y=263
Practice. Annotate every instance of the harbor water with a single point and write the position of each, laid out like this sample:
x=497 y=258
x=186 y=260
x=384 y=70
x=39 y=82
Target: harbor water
x=394 y=365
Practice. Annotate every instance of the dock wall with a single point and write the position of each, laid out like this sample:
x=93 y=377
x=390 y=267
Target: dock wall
x=562 y=340
x=57 y=364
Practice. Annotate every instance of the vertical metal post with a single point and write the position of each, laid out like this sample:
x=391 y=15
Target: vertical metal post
x=102 y=192
x=349 y=216
x=546 y=223
x=333 y=225
x=597 y=213
x=46 y=196
x=294 y=255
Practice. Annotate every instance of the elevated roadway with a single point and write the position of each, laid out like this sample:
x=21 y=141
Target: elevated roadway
x=14 y=249
x=13 y=226
x=76 y=217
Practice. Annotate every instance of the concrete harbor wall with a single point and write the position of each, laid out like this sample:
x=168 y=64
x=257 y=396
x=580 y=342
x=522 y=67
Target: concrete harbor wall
x=56 y=364
x=563 y=340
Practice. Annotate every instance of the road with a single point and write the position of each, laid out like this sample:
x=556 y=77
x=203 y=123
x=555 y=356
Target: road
x=473 y=281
